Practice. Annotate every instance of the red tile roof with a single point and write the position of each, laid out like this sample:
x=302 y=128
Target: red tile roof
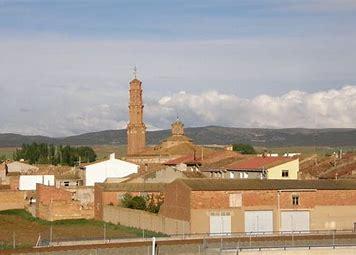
x=257 y=163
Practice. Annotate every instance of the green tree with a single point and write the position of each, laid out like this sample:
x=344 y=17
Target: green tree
x=244 y=148
x=2 y=158
x=50 y=154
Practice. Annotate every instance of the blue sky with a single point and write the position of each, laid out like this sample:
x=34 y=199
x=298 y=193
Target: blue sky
x=79 y=55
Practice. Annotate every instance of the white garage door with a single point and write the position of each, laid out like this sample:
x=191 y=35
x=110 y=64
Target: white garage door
x=258 y=221
x=295 y=221
x=220 y=223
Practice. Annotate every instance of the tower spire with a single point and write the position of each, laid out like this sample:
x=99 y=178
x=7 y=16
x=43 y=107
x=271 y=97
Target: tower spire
x=135 y=72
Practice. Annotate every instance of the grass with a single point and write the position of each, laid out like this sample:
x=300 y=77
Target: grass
x=27 y=229
x=7 y=152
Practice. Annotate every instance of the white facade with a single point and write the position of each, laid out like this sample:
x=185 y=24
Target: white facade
x=112 y=168
x=28 y=182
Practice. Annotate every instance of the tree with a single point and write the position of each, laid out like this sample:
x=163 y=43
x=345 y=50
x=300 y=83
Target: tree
x=244 y=148
x=50 y=154
x=2 y=158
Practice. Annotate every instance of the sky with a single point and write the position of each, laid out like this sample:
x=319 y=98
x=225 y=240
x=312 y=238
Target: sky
x=65 y=65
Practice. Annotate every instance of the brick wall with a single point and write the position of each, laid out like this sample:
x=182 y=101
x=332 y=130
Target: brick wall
x=46 y=194
x=14 y=182
x=57 y=204
x=10 y=199
x=176 y=201
x=253 y=198
x=102 y=198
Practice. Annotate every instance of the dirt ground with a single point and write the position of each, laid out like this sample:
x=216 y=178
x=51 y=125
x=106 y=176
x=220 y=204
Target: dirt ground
x=26 y=231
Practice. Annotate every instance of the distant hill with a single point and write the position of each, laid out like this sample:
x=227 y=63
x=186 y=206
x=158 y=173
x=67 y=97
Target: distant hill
x=205 y=135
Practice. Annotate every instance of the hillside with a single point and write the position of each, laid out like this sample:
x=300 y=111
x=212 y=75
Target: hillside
x=205 y=135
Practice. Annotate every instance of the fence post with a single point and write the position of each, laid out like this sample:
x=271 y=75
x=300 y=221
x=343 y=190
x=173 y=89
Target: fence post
x=13 y=240
x=104 y=232
x=334 y=239
x=50 y=235
x=153 y=246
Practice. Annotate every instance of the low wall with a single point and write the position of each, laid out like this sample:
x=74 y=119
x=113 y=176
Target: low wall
x=10 y=199
x=61 y=210
x=145 y=220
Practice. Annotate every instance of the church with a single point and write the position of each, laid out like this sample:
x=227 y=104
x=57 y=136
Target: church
x=174 y=146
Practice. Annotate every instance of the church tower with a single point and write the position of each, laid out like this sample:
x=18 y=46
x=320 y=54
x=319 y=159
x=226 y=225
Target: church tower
x=136 y=129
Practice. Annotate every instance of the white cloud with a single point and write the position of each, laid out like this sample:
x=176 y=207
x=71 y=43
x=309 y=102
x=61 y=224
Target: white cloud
x=65 y=87
x=324 y=109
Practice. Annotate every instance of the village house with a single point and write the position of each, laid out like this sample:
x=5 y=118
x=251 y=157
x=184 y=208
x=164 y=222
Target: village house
x=112 y=168
x=261 y=206
x=282 y=168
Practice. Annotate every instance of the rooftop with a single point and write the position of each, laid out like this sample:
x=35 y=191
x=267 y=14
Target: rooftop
x=257 y=163
x=133 y=187
x=255 y=184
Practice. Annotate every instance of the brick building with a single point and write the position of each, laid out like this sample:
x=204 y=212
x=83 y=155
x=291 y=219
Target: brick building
x=112 y=193
x=233 y=205
x=57 y=204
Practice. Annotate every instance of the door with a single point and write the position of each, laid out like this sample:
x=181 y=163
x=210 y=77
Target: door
x=259 y=222
x=295 y=221
x=220 y=223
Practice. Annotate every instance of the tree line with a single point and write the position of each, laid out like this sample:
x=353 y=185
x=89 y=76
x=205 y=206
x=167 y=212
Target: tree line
x=56 y=155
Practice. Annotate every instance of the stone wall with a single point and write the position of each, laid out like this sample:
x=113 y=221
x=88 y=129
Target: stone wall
x=145 y=220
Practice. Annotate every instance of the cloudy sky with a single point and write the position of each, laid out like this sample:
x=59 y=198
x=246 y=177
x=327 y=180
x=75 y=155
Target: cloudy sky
x=65 y=65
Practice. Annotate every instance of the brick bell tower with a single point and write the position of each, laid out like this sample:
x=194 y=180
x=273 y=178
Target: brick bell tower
x=136 y=129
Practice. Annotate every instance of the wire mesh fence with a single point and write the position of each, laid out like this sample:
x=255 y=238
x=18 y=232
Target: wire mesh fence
x=99 y=233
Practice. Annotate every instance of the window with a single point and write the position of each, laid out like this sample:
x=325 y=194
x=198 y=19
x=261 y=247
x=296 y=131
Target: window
x=243 y=175
x=295 y=200
x=235 y=199
x=285 y=173
x=66 y=183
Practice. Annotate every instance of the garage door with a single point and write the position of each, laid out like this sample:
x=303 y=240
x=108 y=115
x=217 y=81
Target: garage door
x=295 y=221
x=220 y=223
x=258 y=221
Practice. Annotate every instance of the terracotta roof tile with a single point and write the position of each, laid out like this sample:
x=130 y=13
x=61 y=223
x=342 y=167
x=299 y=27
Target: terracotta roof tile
x=257 y=163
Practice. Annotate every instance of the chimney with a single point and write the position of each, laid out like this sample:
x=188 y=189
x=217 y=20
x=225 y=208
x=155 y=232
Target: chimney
x=112 y=156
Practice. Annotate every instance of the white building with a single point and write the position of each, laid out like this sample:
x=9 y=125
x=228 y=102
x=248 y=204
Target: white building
x=111 y=168
x=28 y=182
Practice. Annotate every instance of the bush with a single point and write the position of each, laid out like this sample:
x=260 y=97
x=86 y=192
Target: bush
x=147 y=203
x=244 y=148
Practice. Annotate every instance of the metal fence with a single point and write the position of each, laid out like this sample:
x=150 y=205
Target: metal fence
x=54 y=236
